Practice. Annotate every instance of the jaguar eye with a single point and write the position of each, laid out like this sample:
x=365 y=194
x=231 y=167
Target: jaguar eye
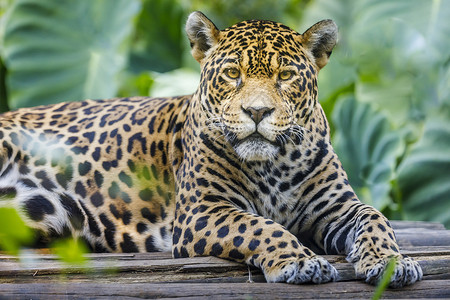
x=285 y=75
x=233 y=73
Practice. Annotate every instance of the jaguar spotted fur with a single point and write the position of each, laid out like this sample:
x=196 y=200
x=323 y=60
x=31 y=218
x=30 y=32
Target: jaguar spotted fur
x=243 y=169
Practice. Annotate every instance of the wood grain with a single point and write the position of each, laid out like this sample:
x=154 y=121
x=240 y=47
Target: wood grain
x=39 y=275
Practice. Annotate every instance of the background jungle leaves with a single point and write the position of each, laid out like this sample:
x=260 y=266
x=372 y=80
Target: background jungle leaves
x=424 y=174
x=65 y=50
x=394 y=58
x=161 y=35
x=3 y=96
x=368 y=148
x=395 y=53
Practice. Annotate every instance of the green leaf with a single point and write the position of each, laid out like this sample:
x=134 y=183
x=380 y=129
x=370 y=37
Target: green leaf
x=396 y=55
x=385 y=279
x=424 y=174
x=13 y=231
x=132 y=85
x=443 y=93
x=391 y=50
x=392 y=94
x=158 y=39
x=417 y=30
x=65 y=50
x=368 y=149
x=70 y=251
x=3 y=93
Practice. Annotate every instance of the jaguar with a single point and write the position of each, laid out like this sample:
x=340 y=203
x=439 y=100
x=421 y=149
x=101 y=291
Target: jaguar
x=243 y=169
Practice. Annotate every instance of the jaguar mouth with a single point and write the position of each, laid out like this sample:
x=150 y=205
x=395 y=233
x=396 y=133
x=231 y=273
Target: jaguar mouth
x=255 y=137
x=255 y=147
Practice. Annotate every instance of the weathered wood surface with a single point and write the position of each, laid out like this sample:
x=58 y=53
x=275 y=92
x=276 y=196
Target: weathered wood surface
x=157 y=275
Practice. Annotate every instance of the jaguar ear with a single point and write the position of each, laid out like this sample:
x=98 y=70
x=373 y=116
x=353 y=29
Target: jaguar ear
x=320 y=40
x=202 y=34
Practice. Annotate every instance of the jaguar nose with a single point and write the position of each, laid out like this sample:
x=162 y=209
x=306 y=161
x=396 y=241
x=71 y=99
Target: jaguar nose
x=257 y=114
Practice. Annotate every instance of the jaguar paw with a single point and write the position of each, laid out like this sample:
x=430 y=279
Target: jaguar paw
x=313 y=269
x=407 y=271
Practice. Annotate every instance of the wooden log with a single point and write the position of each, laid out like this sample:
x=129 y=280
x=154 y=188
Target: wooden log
x=157 y=275
x=345 y=290
x=422 y=237
x=143 y=266
x=417 y=224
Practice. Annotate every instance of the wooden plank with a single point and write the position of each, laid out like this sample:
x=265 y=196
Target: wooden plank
x=32 y=253
x=347 y=290
x=417 y=224
x=425 y=250
x=35 y=254
x=163 y=269
x=157 y=275
x=422 y=237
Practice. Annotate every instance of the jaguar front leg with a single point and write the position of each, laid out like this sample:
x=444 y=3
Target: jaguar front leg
x=374 y=245
x=213 y=226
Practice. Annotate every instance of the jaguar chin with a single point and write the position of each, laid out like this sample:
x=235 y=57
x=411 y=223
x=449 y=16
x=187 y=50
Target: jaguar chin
x=256 y=148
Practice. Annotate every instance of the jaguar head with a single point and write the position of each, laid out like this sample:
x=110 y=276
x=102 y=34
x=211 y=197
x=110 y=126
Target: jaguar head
x=259 y=80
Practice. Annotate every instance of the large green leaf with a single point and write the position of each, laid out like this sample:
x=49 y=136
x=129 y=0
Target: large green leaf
x=395 y=48
x=57 y=50
x=424 y=175
x=396 y=55
x=158 y=39
x=368 y=149
x=401 y=47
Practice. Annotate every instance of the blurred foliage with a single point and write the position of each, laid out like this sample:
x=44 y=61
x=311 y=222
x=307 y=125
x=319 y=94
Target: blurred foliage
x=369 y=149
x=71 y=251
x=385 y=279
x=424 y=173
x=393 y=60
x=14 y=234
x=3 y=96
x=66 y=49
x=386 y=88
x=187 y=81
x=158 y=41
x=225 y=13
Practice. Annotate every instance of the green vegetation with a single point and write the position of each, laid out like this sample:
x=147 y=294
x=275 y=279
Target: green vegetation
x=67 y=50
x=13 y=231
x=15 y=235
x=385 y=279
x=386 y=88
x=71 y=251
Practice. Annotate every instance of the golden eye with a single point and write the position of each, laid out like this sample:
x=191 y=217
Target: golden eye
x=285 y=75
x=233 y=73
